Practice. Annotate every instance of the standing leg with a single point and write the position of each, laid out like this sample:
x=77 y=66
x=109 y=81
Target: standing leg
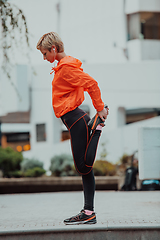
x=84 y=149
x=89 y=190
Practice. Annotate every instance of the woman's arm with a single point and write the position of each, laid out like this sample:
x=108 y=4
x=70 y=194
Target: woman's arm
x=77 y=78
x=103 y=114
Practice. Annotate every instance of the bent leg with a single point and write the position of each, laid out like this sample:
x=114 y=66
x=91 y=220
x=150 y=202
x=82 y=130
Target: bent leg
x=84 y=146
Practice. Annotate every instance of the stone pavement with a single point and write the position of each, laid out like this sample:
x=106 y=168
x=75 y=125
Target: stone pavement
x=44 y=213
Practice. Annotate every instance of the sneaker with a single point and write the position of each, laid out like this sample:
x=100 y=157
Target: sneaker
x=95 y=121
x=81 y=218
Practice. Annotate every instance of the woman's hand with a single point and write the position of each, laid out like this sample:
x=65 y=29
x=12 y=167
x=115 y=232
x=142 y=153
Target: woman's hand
x=104 y=113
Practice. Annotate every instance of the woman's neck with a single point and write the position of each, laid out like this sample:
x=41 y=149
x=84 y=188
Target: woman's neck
x=60 y=56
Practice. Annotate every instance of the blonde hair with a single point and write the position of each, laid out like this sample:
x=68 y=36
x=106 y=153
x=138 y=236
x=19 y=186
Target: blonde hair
x=50 y=39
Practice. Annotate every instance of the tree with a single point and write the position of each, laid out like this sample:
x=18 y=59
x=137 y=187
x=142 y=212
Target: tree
x=13 y=32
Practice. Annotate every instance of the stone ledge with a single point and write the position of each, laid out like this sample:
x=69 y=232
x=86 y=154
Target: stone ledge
x=52 y=184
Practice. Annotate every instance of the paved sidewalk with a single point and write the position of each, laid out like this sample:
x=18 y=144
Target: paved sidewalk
x=46 y=211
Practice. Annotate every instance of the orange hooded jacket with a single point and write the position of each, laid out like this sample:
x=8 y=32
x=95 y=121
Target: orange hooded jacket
x=69 y=84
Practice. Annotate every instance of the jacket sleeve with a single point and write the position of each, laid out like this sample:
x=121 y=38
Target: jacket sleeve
x=77 y=78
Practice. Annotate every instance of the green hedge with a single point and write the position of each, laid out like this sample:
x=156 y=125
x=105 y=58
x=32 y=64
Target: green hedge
x=10 y=161
x=34 y=172
x=30 y=163
x=62 y=165
x=104 y=168
x=12 y=164
x=32 y=168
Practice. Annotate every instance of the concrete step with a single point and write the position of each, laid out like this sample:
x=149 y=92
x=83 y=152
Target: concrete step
x=97 y=232
x=120 y=215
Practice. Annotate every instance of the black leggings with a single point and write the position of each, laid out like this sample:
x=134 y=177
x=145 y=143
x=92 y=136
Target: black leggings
x=84 y=147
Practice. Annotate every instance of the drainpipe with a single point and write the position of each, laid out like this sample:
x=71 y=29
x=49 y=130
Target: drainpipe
x=0 y=134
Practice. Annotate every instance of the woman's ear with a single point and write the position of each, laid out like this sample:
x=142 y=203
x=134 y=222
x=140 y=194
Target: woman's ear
x=54 y=48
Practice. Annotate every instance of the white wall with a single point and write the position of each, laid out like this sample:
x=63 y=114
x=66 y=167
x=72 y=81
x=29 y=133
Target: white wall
x=145 y=49
x=14 y=92
x=88 y=28
x=23 y=104
x=149 y=153
x=142 y=6
x=16 y=127
x=115 y=143
x=41 y=17
x=128 y=85
x=93 y=31
x=124 y=139
x=42 y=112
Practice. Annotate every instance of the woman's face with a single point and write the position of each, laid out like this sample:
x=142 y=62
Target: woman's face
x=50 y=56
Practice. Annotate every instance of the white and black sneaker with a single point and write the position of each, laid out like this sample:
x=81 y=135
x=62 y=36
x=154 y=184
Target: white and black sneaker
x=81 y=218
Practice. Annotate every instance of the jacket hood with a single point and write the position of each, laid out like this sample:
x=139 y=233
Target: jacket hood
x=68 y=60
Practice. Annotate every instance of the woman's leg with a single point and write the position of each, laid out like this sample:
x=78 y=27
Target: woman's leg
x=84 y=149
x=84 y=145
x=89 y=190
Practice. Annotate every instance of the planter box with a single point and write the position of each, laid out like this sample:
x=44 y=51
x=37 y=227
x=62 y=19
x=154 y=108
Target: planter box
x=53 y=184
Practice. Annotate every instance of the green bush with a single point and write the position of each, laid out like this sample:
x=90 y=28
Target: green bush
x=9 y=161
x=62 y=165
x=104 y=168
x=32 y=168
x=34 y=172
x=30 y=163
x=16 y=174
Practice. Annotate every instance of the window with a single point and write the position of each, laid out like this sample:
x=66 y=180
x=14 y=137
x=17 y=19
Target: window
x=139 y=114
x=41 y=132
x=19 y=141
x=145 y=25
x=17 y=137
x=150 y=25
x=65 y=135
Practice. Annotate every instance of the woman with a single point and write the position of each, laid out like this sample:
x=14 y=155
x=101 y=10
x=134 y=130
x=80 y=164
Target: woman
x=68 y=88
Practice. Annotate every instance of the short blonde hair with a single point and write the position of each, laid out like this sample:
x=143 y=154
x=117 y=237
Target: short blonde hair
x=50 y=39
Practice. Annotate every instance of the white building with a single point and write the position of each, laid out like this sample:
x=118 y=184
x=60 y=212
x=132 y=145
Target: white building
x=119 y=45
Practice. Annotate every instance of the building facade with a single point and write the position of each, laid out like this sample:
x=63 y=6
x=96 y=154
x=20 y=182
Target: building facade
x=120 y=48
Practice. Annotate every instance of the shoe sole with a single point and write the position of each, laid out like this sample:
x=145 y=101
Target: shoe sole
x=82 y=222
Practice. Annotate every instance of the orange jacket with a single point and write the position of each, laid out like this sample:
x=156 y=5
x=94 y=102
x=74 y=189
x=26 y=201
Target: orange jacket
x=69 y=84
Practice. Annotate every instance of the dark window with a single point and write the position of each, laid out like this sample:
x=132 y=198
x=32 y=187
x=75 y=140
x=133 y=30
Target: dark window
x=41 y=132
x=65 y=135
x=17 y=137
x=145 y=25
x=135 y=115
x=150 y=25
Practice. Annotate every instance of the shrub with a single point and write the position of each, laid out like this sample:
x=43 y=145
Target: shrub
x=62 y=165
x=30 y=163
x=32 y=168
x=34 y=172
x=124 y=159
x=104 y=168
x=16 y=174
x=9 y=161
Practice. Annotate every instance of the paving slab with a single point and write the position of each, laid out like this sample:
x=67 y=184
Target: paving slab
x=43 y=213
